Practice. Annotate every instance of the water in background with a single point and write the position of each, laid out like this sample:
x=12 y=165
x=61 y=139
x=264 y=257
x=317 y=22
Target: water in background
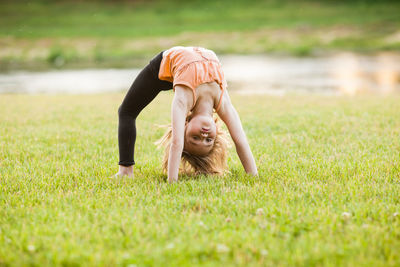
x=338 y=74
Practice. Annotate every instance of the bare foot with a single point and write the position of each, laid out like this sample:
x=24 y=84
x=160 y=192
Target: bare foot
x=124 y=171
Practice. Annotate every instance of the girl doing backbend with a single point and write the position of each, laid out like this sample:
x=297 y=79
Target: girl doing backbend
x=196 y=76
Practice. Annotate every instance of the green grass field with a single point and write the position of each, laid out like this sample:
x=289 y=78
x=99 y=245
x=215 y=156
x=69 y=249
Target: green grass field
x=327 y=194
x=116 y=33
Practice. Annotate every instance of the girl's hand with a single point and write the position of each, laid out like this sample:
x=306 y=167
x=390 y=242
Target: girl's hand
x=171 y=181
x=124 y=171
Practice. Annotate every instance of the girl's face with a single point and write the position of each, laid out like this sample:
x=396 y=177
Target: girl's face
x=200 y=133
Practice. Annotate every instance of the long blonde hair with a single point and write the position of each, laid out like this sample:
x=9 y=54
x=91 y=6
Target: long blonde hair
x=215 y=162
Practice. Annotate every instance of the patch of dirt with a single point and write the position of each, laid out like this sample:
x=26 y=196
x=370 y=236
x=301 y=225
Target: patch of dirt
x=257 y=41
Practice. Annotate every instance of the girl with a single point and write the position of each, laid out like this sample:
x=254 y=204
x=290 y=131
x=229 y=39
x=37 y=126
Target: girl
x=196 y=76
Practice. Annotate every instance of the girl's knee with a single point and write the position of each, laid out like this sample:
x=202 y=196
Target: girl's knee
x=123 y=111
x=126 y=112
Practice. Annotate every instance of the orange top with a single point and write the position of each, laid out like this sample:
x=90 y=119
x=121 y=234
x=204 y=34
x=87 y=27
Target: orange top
x=192 y=66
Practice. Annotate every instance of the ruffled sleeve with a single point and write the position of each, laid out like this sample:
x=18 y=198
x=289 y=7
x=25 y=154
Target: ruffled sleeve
x=165 y=73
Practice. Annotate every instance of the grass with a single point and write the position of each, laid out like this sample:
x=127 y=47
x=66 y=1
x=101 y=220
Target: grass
x=94 y=32
x=327 y=193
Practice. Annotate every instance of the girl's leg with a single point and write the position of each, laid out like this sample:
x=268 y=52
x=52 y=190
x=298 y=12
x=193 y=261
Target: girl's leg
x=143 y=90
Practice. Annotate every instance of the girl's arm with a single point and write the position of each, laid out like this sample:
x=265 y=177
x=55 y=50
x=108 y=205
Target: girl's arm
x=180 y=107
x=231 y=118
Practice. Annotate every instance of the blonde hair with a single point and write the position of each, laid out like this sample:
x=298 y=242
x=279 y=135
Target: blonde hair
x=215 y=162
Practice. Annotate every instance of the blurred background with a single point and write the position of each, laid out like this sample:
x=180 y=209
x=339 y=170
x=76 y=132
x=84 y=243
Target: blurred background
x=266 y=46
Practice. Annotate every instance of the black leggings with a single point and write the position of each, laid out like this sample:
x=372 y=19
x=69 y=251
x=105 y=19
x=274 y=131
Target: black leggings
x=143 y=90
